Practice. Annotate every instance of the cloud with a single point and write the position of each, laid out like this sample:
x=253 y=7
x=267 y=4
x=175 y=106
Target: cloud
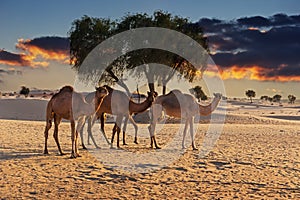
x=8 y=58
x=37 y=53
x=10 y=71
x=49 y=48
x=256 y=48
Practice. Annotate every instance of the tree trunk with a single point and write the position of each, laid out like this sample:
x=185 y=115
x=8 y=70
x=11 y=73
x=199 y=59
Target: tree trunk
x=164 y=90
x=151 y=87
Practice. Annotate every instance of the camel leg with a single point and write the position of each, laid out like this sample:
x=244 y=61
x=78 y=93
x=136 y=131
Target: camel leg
x=102 y=120
x=81 y=136
x=113 y=135
x=156 y=113
x=73 y=154
x=90 y=134
x=151 y=129
x=57 y=121
x=80 y=126
x=135 y=128
x=124 y=129
x=46 y=133
x=118 y=124
x=191 y=122
x=184 y=133
x=76 y=144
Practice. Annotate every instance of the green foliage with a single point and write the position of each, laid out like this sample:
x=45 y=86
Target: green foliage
x=250 y=94
x=198 y=93
x=86 y=33
x=25 y=91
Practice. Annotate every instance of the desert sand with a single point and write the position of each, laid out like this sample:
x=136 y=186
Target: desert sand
x=256 y=156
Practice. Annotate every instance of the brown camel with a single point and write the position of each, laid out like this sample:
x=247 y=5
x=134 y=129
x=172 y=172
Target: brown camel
x=119 y=104
x=179 y=105
x=70 y=105
x=106 y=107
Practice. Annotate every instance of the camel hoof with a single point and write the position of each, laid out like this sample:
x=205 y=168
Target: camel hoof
x=97 y=147
x=84 y=147
x=62 y=154
x=46 y=152
x=73 y=156
x=157 y=147
x=136 y=142
x=183 y=147
x=195 y=149
x=78 y=155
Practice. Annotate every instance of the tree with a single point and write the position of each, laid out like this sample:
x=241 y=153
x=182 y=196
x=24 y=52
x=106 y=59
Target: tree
x=264 y=98
x=86 y=33
x=292 y=99
x=276 y=98
x=25 y=91
x=198 y=93
x=250 y=94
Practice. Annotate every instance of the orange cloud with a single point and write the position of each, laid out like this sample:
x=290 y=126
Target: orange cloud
x=13 y=59
x=251 y=73
x=35 y=51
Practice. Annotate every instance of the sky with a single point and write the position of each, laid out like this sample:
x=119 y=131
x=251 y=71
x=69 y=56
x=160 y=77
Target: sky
x=255 y=44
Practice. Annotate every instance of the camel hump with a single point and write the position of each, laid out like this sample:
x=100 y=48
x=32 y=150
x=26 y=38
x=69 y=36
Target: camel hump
x=176 y=92
x=66 y=89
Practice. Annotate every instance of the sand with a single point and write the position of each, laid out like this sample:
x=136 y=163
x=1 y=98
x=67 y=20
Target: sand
x=256 y=156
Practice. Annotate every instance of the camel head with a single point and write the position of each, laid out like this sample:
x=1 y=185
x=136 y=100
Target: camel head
x=152 y=95
x=218 y=95
x=101 y=92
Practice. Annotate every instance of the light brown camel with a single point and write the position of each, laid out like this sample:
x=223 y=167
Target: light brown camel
x=70 y=105
x=179 y=105
x=119 y=104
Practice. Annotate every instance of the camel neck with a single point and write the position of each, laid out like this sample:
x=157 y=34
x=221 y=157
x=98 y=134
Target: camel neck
x=208 y=109
x=139 y=107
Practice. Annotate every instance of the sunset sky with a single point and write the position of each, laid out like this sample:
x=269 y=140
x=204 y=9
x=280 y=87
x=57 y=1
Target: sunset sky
x=255 y=44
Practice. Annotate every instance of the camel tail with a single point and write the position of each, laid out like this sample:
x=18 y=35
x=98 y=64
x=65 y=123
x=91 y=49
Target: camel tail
x=49 y=113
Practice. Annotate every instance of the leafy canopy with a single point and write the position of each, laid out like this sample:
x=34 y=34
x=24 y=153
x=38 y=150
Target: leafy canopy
x=86 y=33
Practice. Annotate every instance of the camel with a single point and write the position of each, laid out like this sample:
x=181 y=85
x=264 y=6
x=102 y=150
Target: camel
x=70 y=105
x=119 y=104
x=179 y=105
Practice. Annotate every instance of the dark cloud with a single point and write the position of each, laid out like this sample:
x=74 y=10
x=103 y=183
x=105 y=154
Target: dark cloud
x=270 y=44
x=55 y=44
x=47 y=48
x=9 y=58
x=275 y=20
x=256 y=21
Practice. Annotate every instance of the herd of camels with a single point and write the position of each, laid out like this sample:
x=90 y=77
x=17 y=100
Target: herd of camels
x=70 y=105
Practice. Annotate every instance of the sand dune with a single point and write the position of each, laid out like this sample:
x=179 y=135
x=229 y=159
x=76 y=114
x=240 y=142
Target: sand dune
x=256 y=156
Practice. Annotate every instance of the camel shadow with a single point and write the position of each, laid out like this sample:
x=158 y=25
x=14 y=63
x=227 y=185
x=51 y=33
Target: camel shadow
x=13 y=154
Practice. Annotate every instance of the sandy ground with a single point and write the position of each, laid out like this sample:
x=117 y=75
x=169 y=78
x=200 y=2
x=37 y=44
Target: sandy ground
x=256 y=156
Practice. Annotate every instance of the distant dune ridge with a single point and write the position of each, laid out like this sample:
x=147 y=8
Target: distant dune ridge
x=35 y=108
